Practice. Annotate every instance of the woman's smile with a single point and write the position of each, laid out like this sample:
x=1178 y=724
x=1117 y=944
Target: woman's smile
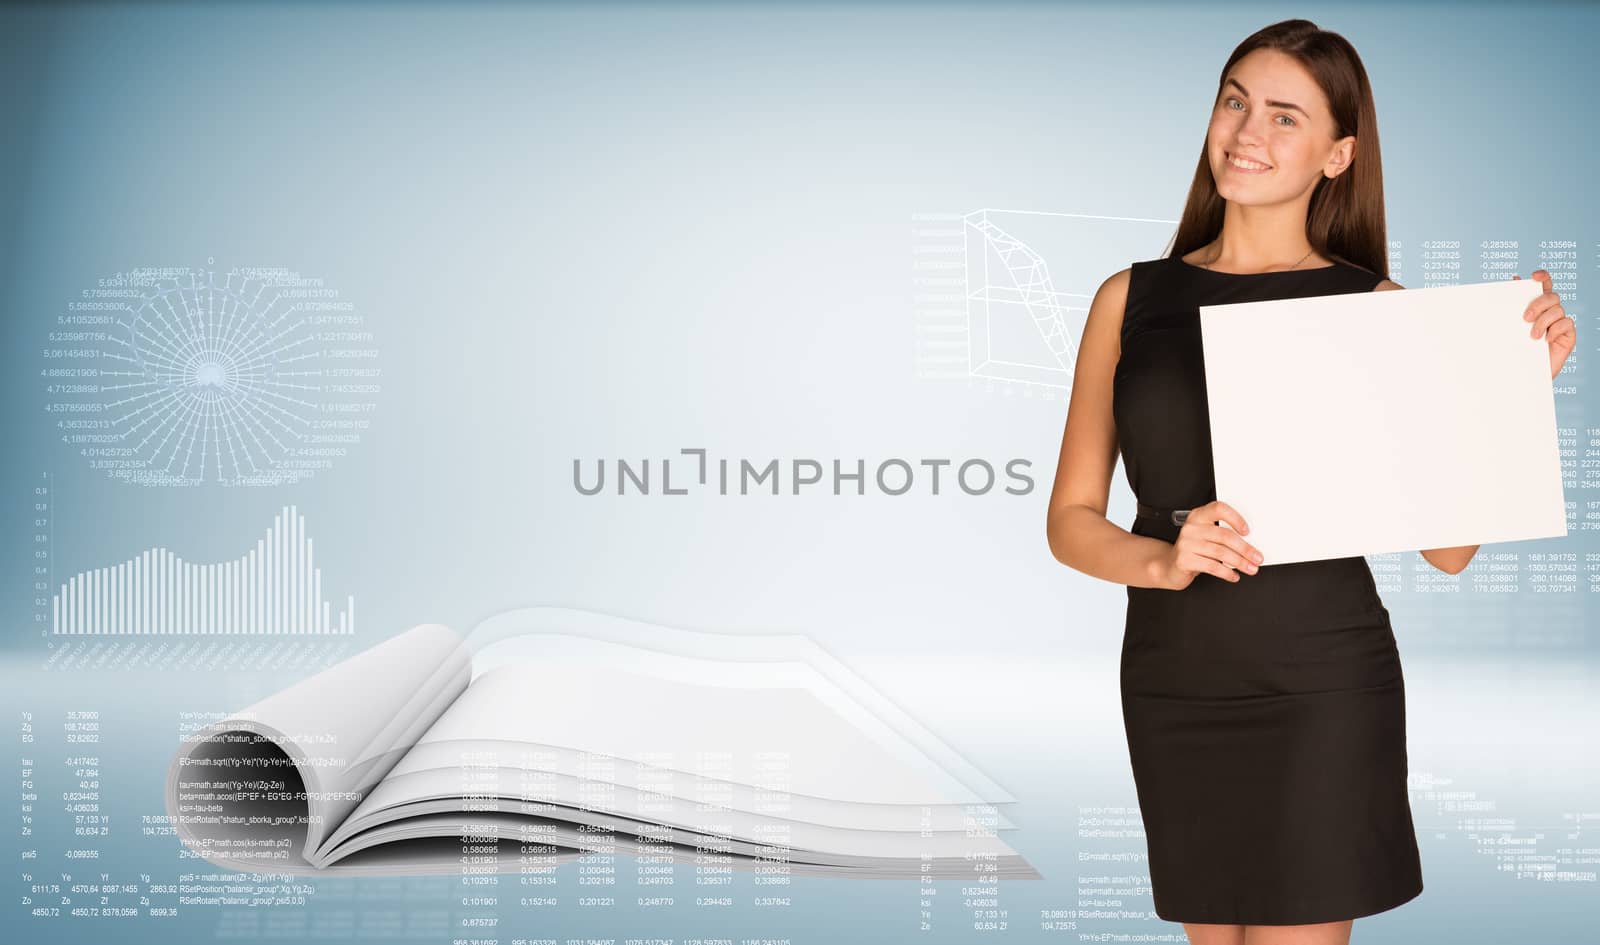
x=1245 y=166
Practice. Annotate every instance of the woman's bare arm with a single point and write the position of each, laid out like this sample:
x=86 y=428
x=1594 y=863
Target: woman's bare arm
x=1449 y=560
x=1076 y=527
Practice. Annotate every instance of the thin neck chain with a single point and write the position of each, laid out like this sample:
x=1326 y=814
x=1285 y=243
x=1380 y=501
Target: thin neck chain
x=1207 y=265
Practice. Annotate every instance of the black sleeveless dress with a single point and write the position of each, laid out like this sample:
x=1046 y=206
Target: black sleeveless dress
x=1265 y=718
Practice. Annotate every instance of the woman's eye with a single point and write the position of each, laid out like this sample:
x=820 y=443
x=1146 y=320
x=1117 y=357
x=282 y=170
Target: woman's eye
x=1230 y=100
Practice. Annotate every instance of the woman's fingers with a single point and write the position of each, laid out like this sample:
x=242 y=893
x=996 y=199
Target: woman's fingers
x=1197 y=563
x=1229 y=536
x=1224 y=512
x=1237 y=559
x=1547 y=318
x=1211 y=548
x=1214 y=557
x=1242 y=550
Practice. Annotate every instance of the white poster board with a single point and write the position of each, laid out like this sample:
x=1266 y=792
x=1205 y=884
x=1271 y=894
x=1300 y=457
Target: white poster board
x=1372 y=422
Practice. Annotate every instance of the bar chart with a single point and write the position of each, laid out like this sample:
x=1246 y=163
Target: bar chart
x=275 y=588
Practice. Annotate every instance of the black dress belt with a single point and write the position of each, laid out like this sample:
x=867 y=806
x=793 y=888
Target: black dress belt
x=1169 y=516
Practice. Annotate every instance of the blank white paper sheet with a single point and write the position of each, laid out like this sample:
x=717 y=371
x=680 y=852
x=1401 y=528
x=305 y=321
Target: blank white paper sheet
x=1373 y=422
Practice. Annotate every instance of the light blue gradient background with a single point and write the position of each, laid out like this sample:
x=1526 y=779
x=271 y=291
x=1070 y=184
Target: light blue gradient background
x=628 y=230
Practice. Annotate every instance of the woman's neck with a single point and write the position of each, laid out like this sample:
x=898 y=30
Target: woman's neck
x=1260 y=239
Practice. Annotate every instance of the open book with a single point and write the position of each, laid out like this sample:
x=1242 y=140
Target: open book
x=551 y=734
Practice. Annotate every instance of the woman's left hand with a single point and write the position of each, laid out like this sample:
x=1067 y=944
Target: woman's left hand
x=1550 y=320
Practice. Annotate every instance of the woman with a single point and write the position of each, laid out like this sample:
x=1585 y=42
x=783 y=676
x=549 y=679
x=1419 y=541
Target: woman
x=1264 y=706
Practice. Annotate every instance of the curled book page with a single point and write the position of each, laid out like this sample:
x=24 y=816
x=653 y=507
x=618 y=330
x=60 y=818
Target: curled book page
x=549 y=734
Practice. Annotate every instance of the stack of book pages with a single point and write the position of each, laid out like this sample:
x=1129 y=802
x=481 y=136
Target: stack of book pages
x=550 y=734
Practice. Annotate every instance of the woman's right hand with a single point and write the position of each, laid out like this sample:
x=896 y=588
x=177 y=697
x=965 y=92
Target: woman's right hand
x=1207 y=546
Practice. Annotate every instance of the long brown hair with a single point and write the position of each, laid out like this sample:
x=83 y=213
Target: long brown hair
x=1344 y=220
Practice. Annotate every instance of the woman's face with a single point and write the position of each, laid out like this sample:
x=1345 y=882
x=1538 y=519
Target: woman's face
x=1270 y=111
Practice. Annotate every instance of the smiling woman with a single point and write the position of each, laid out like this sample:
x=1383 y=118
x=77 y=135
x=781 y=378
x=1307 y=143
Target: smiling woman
x=1280 y=162
x=1264 y=704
